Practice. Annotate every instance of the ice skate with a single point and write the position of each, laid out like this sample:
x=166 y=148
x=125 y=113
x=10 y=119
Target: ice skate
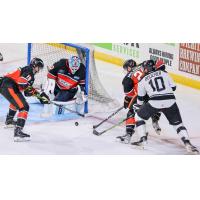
x=141 y=143
x=124 y=138
x=19 y=136
x=10 y=122
x=189 y=147
x=127 y=137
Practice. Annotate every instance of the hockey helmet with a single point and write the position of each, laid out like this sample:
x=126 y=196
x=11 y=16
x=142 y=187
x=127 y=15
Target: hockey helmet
x=129 y=64
x=148 y=66
x=74 y=64
x=37 y=62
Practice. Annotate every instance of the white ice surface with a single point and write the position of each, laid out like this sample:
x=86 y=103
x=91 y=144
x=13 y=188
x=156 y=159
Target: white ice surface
x=63 y=137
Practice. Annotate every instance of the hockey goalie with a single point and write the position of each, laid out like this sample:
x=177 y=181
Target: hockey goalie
x=66 y=86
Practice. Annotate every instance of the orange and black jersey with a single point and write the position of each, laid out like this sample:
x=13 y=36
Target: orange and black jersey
x=23 y=77
x=130 y=82
x=65 y=80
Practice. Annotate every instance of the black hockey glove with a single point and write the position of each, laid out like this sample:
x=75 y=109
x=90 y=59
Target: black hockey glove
x=30 y=91
x=131 y=113
x=126 y=101
x=43 y=98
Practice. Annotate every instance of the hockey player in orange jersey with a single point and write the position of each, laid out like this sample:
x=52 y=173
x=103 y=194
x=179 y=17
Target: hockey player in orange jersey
x=12 y=86
x=130 y=84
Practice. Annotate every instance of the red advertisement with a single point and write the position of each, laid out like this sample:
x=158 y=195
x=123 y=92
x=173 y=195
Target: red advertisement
x=189 y=58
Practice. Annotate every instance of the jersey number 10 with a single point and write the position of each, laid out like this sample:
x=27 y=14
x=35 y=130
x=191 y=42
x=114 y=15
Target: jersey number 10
x=157 y=84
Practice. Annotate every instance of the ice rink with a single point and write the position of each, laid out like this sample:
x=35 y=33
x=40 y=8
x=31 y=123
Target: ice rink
x=63 y=137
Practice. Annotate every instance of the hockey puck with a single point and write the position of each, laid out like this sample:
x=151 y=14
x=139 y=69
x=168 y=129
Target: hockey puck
x=76 y=123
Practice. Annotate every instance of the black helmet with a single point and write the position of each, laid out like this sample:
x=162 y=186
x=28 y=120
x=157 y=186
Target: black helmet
x=37 y=62
x=129 y=63
x=148 y=65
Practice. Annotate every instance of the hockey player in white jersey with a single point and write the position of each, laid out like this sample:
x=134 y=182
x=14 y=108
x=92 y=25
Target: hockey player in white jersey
x=159 y=86
x=134 y=74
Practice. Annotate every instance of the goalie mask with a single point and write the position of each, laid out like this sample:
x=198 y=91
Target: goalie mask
x=74 y=64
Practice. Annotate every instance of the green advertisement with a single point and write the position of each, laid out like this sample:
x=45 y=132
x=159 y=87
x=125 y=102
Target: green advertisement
x=104 y=45
x=129 y=49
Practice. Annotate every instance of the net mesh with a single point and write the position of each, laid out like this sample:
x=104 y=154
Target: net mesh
x=99 y=99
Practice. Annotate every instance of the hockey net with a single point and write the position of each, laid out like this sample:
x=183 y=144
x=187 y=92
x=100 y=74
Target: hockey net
x=98 y=98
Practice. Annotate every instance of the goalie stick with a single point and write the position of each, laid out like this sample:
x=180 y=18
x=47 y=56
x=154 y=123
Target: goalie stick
x=56 y=104
x=68 y=109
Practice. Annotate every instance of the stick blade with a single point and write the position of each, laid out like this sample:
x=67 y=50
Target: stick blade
x=94 y=126
x=95 y=132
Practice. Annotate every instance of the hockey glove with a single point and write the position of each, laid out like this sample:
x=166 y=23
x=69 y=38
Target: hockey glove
x=30 y=91
x=136 y=107
x=126 y=101
x=43 y=98
x=131 y=113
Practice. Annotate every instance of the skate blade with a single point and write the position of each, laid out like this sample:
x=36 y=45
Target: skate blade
x=192 y=152
x=138 y=147
x=18 y=139
x=122 y=141
x=141 y=145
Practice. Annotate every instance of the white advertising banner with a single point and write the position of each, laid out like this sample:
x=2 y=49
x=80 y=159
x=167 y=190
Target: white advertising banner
x=181 y=59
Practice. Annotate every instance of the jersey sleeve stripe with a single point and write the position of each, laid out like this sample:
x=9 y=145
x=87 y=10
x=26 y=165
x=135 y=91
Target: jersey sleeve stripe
x=51 y=76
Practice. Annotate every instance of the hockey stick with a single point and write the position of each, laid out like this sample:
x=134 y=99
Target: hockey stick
x=95 y=132
x=114 y=113
x=37 y=95
x=68 y=109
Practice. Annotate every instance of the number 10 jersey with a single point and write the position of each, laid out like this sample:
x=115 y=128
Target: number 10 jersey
x=159 y=86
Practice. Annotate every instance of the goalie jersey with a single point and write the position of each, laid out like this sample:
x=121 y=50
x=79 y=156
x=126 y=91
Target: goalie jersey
x=65 y=80
x=159 y=86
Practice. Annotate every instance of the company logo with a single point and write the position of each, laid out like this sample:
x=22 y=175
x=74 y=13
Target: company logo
x=130 y=49
x=159 y=54
x=189 y=58
x=64 y=83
